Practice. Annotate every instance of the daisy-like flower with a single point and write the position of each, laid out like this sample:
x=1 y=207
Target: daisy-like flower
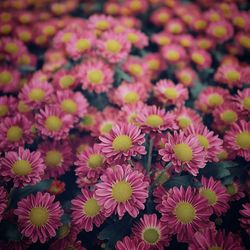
x=216 y=240
x=131 y=244
x=22 y=167
x=154 y=63
x=185 y=212
x=9 y=79
x=128 y=93
x=173 y=53
x=100 y=22
x=235 y=190
x=243 y=39
x=95 y=75
x=242 y=100
x=86 y=211
x=62 y=37
x=89 y=120
x=122 y=190
x=56 y=187
x=160 y=16
x=124 y=141
x=113 y=47
x=210 y=142
x=137 y=38
x=175 y=26
x=14 y=132
x=205 y=43
x=185 y=40
x=245 y=221
x=162 y=38
x=237 y=139
x=39 y=216
x=186 y=76
x=201 y=58
x=231 y=75
x=3 y=201
x=152 y=232
x=169 y=93
x=159 y=193
x=36 y=94
x=57 y=156
x=241 y=20
x=65 y=79
x=184 y=153
x=65 y=244
x=8 y=105
x=155 y=120
x=216 y=195
x=73 y=103
x=90 y=163
x=53 y=122
x=221 y=31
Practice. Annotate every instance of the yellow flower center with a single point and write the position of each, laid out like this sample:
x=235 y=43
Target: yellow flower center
x=6 y=28
x=87 y=120
x=91 y=208
x=239 y=21
x=185 y=212
x=171 y=93
x=183 y=152
x=37 y=94
x=246 y=103
x=66 y=81
x=231 y=189
x=95 y=76
x=229 y=116
x=21 y=168
x=154 y=121
x=63 y=231
x=66 y=37
x=3 y=110
x=95 y=161
x=203 y=141
x=53 y=123
x=82 y=45
x=215 y=100
x=219 y=31
x=151 y=235
x=22 y=107
x=215 y=248
x=184 y=122
x=25 y=36
x=135 y=69
x=122 y=143
x=113 y=46
x=210 y=195
x=233 y=75
x=133 y=38
x=39 y=216
x=164 y=40
x=53 y=158
x=175 y=28
x=173 y=55
x=14 y=133
x=131 y=97
x=106 y=127
x=102 y=25
x=122 y=191
x=5 y=77
x=198 y=58
x=245 y=41
x=69 y=106
x=243 y=140
x=185 y=78
x=163 y=17
x=11 y=48
x=153 y=64
x=135 y=5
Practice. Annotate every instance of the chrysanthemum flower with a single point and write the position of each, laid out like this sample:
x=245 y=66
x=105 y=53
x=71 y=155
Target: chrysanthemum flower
x=124 y=141
x=100 y=22
x=113 y=47
x=199 y=23
x=62 y=37
x=87 y=211
x=14 y=132
x=185 y=212
x=131 y=244
x=159 y=193
x=160 y=16
x=173 y=53
x=57 y=156
x=152 y=232
x=3 y=201
x=137 y=38
x=67 y=244
x=9 y=79
x=210 y=142
x=175 y=26
x=162 y=38
x=65 y=79
x=169 y=93
x=39 y=216
x=36 y=94
x=221 y=31
x=22 y=167
x=8 y=105
x=213 y=15
x=90 y=163
x=186 y=76
x=237 y=139
x=214 y=240
x=89 y=120
x=201 y=58
x=155 y=120
x=56 y=187
x=122 y=190
x=53 y=122
x=95 y=75
x=242 y=100
x=154 y=63
x=241 y=20
x=235 y=190
x=216 y=195
x=243 y=39
x=245 y=221
x=184 y=153
x=185 y=40
x=73 y=103
x=205 y=43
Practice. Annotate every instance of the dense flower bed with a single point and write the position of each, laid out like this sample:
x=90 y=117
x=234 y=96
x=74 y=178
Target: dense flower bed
x=124 y=124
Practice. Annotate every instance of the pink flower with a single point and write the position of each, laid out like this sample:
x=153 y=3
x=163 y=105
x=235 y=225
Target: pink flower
x=100 y=22
x=8 y=106
x=86 y=211
x=184 y=153
x=201 y=58
x=186 y=76
x=173 y=53
x=151 y=231
x=3 y=201
x=137 y=38
x=22 y=167
x=131 y=244
x=216 y=195
x=39 y=216
x=242 y=100
x=66 y=243
x=237 y=139
x=235 y=190
x=65 y=79
x=9 y=79
x=52 y=122
x=245 y=221
x=122 y=190
x=185 y=212
x=124 y=141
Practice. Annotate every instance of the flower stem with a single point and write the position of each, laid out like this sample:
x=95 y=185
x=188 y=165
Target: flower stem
x=150 y=150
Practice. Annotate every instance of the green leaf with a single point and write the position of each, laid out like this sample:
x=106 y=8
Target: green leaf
x=121 y=75
x=184 y=180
